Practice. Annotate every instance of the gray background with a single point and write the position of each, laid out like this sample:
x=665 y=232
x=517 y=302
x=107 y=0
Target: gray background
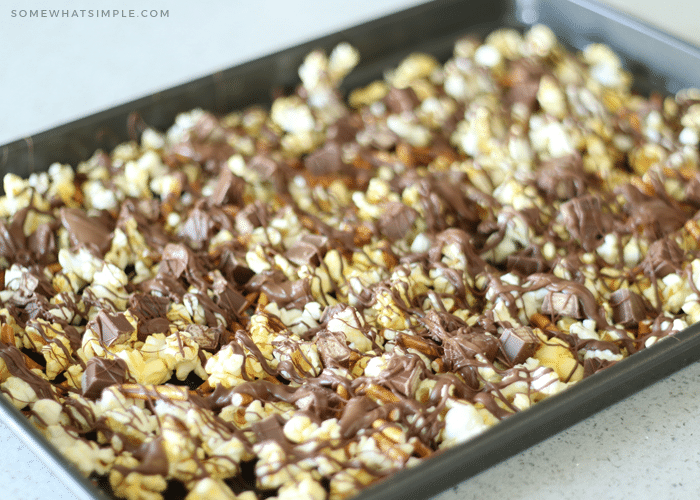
x=56 y=70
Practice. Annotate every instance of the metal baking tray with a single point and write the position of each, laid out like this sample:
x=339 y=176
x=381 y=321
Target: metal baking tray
x=658 y=61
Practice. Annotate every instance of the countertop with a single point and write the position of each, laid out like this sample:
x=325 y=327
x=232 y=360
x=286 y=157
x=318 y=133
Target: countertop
x=56 y=70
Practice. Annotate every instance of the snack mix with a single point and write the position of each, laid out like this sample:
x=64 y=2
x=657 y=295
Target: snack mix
x=297 y=302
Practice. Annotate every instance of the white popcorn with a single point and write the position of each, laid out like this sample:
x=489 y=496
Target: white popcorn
x=292 y=115
x=462 y=422
x=83 y=263
x=488 y=56
x=210 y=489
x=608 y=250
x=415 y=134
x=19 y=392
x=343 y=59
x=48 y=410
x=585 y=329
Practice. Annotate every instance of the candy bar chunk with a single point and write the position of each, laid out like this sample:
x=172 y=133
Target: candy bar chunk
x=519 y=343
x=405 y=374
x=93 y=232
x=628 y=307
x=401 y=100
x=206 y=337
x=583 y=218
x=112 y=328
x=563 y=304
x=663 y=258
x=308 y=250
x=100 y=373
x=396 y=220
x=326 y=160
x=228 y=189
x=295 y=294
x=269 y=429
x=334 y=351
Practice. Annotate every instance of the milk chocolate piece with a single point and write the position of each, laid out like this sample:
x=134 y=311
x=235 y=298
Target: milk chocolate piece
x=655 y=218
x=263 y=165
x=206 y=337
x=628 y=307
x=325 y=161
x=112 y=328
x=295 y=294
x=93 y=232
x=396 y=220
x=230 y=300
x=663 y=258
x=42 y=244
x=198 y=227
x=228 y=189
x=344 y=129
x=308 y=250
x=100 y=373
x=519 y=343
x=269 y=429
x=584 y=220
x=401 y=100
x=562 y=304
x=334 y=350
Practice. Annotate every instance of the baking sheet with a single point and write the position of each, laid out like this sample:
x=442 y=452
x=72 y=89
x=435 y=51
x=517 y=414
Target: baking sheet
x=673 y=65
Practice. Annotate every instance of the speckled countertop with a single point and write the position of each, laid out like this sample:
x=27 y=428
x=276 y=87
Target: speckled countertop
x=647 y=446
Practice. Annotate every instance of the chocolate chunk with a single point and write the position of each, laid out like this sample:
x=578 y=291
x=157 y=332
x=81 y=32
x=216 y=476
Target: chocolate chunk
x=13 y=241
x=230 y=300
x=584 y=220
x=150 y=310
x=526 y=265
x=93 y=232
x=655 y=219
x=111 y=328
x=100 y=373
x=228 y=189
x=146 y=306
x=692 y=191
x=403 y=374
x=487 y=344
x=198 y=228
x=252 y=216
x=562 y=178
x=663 y=258
x=295 y=294
x=344 y=130
x=401 y=100
x=562 y=304
x=326 y=160
x=265 y=166
x=178 y=260
x=269 y=429
x=396 y=220
x=154 y=460
x=334 y=351
x=42 y=244
x=519 y=343
x=206 y=337
x=308 y=250
x=628 y=307
x=151 y=326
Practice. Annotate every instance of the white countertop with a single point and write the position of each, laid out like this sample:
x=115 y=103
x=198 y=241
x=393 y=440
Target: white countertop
x=56 y=70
